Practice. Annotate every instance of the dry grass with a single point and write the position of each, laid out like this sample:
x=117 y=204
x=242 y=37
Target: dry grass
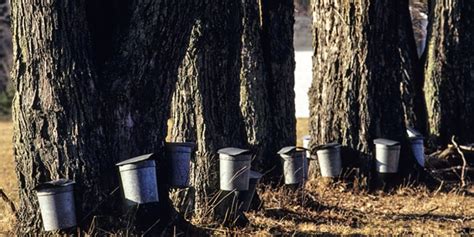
x=302 y=129
x=320 y=208
x=335 y=209
x=7 y=175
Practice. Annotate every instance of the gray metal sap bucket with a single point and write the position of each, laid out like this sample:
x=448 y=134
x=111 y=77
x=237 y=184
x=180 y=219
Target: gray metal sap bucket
x=329 y=159
x=306 y=141
x=247 y=196
x=56 y=201
x=138 y=177
x=295 y=164
x=418 y=149
x=178 y=157
x=411 y=132
x=234 y=169
x=387 y=155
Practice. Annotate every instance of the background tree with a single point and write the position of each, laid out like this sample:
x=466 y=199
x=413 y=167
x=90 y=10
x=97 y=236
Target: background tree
x=267 y=76
x=248 y=52
x=449 y=79
x=5 y=60
x=206 y=101
x=358 y=68
x=93 y=82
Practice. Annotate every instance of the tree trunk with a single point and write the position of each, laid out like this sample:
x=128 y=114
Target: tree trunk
x=355 y=96
x=449 y=77
x=91 y=90
x=212 y=70
x=253 y=91
x=279 y=59
x=267 y=80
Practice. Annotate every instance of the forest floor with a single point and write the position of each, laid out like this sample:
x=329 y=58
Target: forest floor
x=320 y=208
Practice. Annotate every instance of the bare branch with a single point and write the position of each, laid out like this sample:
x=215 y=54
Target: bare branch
x=464 y=162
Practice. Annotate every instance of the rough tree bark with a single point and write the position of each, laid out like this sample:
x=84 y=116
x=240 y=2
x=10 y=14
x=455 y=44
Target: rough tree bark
x=91 y=89
x=355 y=96
x=211 y=95
x=253 y=92
x=279 y=62
x=449 y=73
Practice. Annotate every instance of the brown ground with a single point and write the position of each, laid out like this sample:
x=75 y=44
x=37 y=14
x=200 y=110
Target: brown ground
x=320 y=208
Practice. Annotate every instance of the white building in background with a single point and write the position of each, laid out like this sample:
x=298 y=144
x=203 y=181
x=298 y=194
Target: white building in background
x=303 y=78
x=303 y=70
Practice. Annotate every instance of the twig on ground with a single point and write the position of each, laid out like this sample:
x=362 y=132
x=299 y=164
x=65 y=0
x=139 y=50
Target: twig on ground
x=440 y=187
x=429 y=211
x=464 y=162
x=454 y=168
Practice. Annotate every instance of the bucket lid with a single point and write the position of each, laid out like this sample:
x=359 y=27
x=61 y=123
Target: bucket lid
x=331 y=145
x=255 y=175
x=178 y=145
x=413 y=133
x=386 y=142
x=59 y=183
x=232 y=151
x=290 y=149
x=136 y=159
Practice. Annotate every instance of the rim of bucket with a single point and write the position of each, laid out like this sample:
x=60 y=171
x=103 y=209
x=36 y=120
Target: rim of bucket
x=241 y=157
x=54 y=191
x=411 y=132
x=136 y=166
x=233 y=151
x=386 y=142
x=290 y=149
x=175 y=145
x=384 y=147
x=54 y=185
x=328 y=146
x=179 y=149
x=329 y=150
x=293 y=155
x=136 y=159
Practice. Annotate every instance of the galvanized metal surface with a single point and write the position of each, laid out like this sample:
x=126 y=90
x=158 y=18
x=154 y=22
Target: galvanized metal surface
x=233 y=151
x=306 y=141
x=385 y=142
x=139 y=182
x=234 y=171
x=411 y=132
x=418 y=149
x=295 y=167
x=387 y=158
x=57 y=207
x=330 y=161
x=136 y=159
x=179 y=159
